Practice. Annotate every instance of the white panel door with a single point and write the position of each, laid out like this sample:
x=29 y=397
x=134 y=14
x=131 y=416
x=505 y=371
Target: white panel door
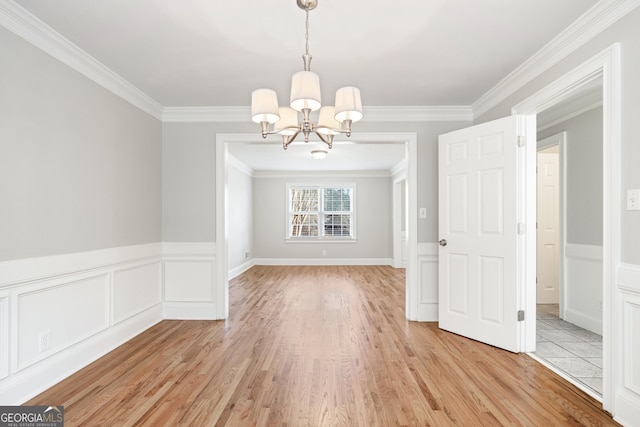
x=548 y=214
x=478 y=282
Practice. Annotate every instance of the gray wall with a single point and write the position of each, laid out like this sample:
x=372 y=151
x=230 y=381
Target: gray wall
x=627 y=32
x=584 y=176
x=189 y=174
x=241 y=213
x=79 y=166
x=374 y=231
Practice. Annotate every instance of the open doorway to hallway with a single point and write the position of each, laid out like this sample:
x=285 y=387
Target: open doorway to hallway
x=570 y=237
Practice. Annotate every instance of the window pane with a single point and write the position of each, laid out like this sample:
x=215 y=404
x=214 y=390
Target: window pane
x=304 y=225
x=304 y=199
x=337 y=225
x=337 y=199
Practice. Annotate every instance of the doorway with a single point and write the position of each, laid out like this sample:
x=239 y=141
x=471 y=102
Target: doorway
x=603 y=67
x=569 y=245
x=409 y=139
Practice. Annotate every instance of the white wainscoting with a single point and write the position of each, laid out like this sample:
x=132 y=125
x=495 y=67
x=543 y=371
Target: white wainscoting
x=189 y=281
x=583 y=286
x=4 y=335
x=60 y=313
x=627 y=402
x=428 y=282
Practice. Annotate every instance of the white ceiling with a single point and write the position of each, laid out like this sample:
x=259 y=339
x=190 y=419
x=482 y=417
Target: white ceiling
x=215 y=52
x=344 y=156
x=196 y=53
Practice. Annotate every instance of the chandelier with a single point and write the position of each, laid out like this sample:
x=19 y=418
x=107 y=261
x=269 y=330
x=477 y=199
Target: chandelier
x=305 y=98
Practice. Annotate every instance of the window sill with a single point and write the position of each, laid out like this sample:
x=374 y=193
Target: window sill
x=323 y=240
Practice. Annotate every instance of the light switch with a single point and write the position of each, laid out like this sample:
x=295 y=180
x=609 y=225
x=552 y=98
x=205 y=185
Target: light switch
x=633 y=200
x=423 y=213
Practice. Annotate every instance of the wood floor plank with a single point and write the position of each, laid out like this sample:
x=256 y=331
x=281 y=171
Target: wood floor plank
x=316 y=346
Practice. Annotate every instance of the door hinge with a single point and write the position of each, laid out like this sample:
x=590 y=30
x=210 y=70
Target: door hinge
x=521 y=141
x=520 y=228
x=520 y=315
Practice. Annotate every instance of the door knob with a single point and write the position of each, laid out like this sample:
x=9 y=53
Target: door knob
x=443 y=242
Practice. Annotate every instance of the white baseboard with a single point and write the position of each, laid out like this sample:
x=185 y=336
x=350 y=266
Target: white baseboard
x=323 y=261
x=590 y=323
x=234 y=272
x=189 y=310
x=30 y=382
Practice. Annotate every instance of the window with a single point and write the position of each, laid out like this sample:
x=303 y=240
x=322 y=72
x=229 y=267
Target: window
x=316 y=212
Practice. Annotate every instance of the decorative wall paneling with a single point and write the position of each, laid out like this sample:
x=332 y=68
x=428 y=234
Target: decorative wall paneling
x=60 y=313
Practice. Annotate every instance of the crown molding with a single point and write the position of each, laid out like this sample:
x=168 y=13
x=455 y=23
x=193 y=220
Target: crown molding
x=321 y=174
x=17 y=20
x=371 y=114
x=597 y=19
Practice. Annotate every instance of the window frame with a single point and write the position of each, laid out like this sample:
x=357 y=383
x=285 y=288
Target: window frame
x=321 y=213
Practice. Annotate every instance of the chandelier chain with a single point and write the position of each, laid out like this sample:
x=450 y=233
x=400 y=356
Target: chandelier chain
x=306 y=33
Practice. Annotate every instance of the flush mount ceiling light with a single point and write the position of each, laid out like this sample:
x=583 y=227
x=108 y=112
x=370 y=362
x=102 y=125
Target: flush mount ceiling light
x=305 y=98
x=319 y=154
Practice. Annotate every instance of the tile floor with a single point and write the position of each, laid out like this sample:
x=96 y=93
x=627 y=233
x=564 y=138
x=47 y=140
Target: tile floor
x=573 y=350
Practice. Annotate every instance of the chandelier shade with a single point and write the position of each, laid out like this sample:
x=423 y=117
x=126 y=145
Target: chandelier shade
x=305 y=91
x=305 y=98
x=288 y=123
x=348 y=104
x=327 y=123
x=264 y=106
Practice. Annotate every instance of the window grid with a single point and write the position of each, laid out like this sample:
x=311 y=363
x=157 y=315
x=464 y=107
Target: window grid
x=320 y=212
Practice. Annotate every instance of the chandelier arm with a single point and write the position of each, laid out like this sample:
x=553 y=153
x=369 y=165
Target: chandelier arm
x=328 y=140
x=286 y=140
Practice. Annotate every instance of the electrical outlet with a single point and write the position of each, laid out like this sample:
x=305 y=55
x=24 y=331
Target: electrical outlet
x=324 y=252
x=45 y=341
x=246 y=255
x=633 y=200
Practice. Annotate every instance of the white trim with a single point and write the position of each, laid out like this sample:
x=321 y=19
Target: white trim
x=235 y=272
x=5 y=332
x=370 y=113
x=197 y=310
x=597 y=19
x=17 y=272
x=321 y=213
x=428 y=249
x=31 y=381
x=334 y=175
x=16 y=19
x=322 y=261
x=584 y=252
x=398 y=171
x=629 y=278
x=188 y=248
x=605 y=65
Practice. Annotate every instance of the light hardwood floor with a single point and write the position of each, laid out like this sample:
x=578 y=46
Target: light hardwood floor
x=316 y=346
